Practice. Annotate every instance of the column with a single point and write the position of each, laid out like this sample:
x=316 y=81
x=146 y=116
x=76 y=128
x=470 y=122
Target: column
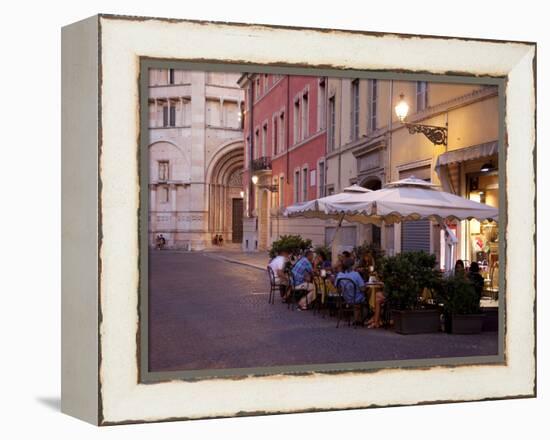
x=182 y=117
x=397 y=238
x=224 y=209
x=213 y=207
x=242 y=116
x=222 y=116
x=156 y=119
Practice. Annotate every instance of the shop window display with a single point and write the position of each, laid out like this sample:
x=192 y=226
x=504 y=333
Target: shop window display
x=483 y=236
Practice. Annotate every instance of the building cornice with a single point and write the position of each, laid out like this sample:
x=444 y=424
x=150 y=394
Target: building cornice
x=452 y=104
x=369 y=145
x=170 y=127
x=428 y=113
x=269 y=90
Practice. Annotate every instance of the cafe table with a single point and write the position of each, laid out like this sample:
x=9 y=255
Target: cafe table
x=370 y=289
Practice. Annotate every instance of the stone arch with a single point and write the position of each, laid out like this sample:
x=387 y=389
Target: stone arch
x=223 y=154
x=165 y=150
x=372 y=182
x=224 y=184
x=165 y=141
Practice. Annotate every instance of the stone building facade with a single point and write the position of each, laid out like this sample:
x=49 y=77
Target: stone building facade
x=285 y=134
x=312 y=136
x=195 y=157
x=368 y=145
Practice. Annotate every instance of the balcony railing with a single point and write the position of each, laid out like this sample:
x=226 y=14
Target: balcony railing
x=261 y=164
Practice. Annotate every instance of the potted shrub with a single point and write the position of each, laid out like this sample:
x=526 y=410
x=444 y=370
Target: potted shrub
x=405 y=277
x=293 y=244
x=461 y=306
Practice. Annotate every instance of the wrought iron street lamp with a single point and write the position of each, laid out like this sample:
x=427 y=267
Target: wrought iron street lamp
x=437 y=135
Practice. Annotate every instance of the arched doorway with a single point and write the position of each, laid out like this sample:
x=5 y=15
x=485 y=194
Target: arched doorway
x=225 y=207
x=373 y=232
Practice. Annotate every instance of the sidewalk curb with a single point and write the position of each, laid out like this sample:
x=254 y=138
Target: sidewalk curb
x=242 y=263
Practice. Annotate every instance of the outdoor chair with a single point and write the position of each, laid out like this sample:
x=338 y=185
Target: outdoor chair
x=273 y=285
x=320 y=288
x=345 y=309
x=385 y=313
x=295 y=294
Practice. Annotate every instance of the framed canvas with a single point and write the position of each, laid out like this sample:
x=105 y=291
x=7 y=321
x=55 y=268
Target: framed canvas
x=194 y=153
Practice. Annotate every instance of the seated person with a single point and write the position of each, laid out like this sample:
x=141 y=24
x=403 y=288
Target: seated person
x=321 y=262
x=475 y=277
x=346 y=255
x=365 y=266
x=459 y=268
x=350 y=295
x=278 y=265
x=375 y=321
x=303 y=277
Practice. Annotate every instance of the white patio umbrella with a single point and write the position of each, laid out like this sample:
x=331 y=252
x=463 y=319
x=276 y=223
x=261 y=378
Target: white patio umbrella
x=411 y=199
x=415 y=199
x=318 y=209
x=407 y=199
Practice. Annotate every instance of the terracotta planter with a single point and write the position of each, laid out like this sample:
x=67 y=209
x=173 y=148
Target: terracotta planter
x=490 y=322
x=410 y=322
x=467 y=324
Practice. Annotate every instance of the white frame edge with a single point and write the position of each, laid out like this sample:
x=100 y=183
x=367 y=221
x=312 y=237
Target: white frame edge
x=123 y=41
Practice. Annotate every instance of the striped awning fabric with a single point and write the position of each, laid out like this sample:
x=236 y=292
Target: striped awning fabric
x=447 y=165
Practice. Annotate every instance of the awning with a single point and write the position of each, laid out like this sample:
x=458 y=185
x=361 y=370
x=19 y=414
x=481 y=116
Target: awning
x=447 y=164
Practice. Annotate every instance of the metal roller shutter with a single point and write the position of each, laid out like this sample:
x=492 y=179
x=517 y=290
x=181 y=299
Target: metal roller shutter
x=348 y=236
x=415 y=235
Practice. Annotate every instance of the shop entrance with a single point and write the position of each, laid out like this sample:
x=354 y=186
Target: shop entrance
x=237 y=220
x=482 y=237
x=374 y=184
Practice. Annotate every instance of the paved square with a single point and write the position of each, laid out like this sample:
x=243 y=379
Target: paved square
x=208 y=313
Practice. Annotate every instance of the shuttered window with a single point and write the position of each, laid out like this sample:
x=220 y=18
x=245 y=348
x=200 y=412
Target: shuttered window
x=348 y=237
x=415 y=235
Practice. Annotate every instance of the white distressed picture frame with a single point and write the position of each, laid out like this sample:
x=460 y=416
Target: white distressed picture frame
x=100 y=135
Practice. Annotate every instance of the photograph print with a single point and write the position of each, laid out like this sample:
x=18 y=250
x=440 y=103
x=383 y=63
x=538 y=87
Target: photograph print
x=301 y=222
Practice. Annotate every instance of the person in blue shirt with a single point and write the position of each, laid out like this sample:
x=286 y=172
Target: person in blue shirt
x=303 y=279
x=351 y=295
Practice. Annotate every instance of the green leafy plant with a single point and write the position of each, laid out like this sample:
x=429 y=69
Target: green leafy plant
x=372 y=250
x=405 y=276
x=324 y=250
x=458 y=296
x=292 y=244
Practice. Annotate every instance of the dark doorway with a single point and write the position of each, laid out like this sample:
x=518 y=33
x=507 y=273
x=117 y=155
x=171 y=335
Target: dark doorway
x=374 y=184
x=237 y=220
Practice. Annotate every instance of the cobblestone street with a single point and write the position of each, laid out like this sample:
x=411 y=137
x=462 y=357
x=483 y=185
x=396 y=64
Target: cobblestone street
x=208 y=312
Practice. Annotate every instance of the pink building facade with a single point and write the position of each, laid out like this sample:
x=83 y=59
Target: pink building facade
x=285 y=123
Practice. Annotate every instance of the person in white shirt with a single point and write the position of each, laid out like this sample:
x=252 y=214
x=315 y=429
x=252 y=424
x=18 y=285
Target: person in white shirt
x=278 y=265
